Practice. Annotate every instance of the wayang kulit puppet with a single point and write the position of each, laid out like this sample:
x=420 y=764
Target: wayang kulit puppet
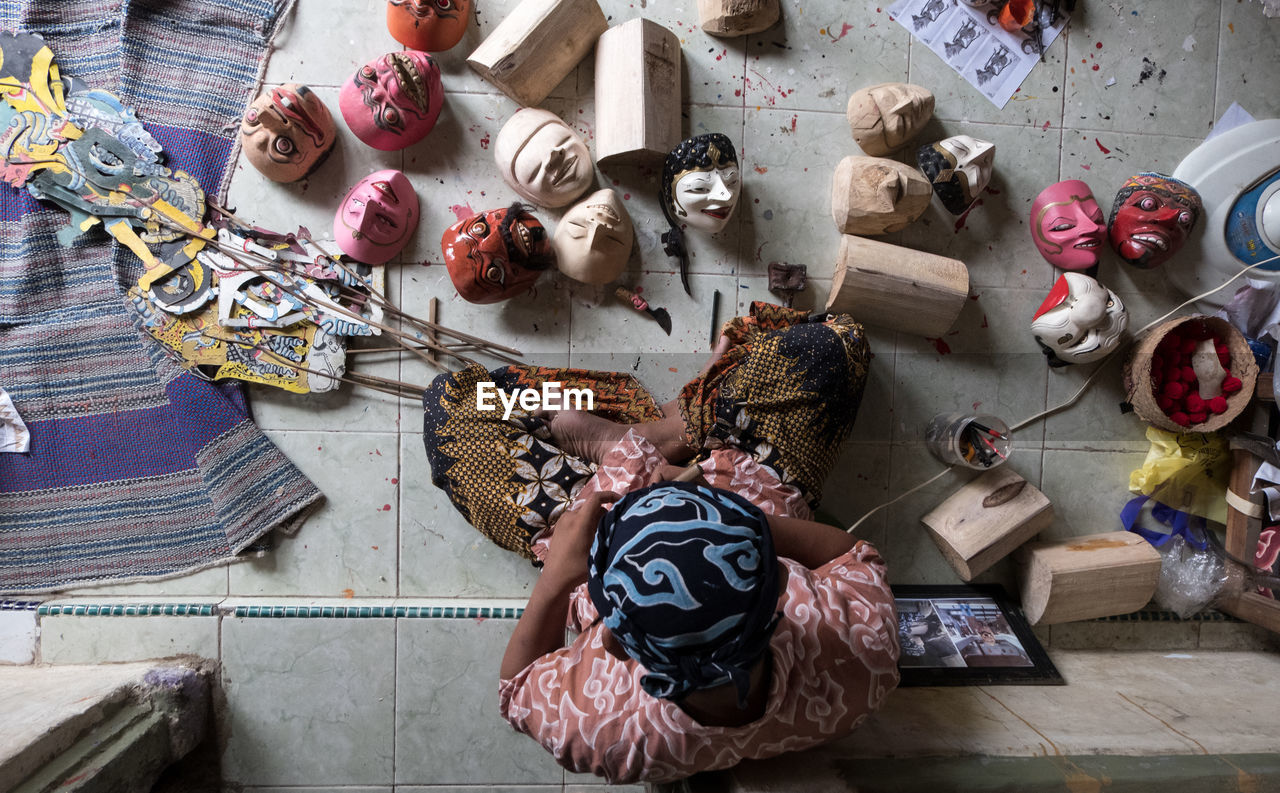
x=1081 y=321
x=495 y=255
x=593 y=239
x=1151 y=217
x=430 y=25
x=229 y=299
x=959 y=168
x=287 y=132
x=376 y=218
x=883 y=118
x=393 y=101
x=1067 y=225
x=541 y=158
x=701 y=182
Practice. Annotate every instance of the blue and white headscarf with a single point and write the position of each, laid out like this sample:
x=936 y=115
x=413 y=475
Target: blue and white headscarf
x=686 y=579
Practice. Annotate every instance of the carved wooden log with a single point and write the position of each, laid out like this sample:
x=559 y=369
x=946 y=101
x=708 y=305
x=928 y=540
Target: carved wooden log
x=898 y=288
x=876 y=195
x=537 y=45
x=1098 y=575
x=637 y=93
x=984 y=521
x=729 y=18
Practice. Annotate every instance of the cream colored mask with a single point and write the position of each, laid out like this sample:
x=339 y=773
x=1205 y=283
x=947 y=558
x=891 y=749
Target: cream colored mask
x=593 y=239
x=885 y=117
x=875 y=195
x=542 y=159
x=1081 y=320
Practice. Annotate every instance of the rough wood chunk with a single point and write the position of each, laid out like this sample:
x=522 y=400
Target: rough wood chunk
x=1097 y=575
x=898 y=288
x=984 y=521
x=729 y=18
x=876 y=195
x=637 y=93
x=537 y=45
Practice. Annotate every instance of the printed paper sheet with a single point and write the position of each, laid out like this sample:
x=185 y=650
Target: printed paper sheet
x=972 y=43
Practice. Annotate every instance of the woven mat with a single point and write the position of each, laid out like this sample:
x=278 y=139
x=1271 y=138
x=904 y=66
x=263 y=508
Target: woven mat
x=136 y=469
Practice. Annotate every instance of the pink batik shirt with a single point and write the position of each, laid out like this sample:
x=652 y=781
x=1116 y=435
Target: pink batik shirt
x=835 y=654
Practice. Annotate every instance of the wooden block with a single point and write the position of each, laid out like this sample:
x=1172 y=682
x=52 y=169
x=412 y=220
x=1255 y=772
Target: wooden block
x=1098 y=575
x=984 y=521
x=729 y=18
x=898 y=288
x=637 y=93
x=537 y=45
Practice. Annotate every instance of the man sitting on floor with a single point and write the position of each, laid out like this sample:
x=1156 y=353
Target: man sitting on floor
x=717 y=621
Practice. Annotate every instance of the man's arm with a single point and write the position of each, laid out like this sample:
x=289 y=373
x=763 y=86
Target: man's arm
x=540 y=629
x=810 y=543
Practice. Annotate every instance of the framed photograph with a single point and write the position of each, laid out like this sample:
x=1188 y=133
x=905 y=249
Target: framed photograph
x=967 y=636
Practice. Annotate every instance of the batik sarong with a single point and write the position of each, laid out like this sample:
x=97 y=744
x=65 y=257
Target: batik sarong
x=787 y=392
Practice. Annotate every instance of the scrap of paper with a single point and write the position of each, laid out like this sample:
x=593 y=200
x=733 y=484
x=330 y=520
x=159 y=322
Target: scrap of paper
x=972 y=43
x=14 y=436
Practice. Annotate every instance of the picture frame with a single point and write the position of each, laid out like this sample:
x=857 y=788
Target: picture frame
x=967 y=635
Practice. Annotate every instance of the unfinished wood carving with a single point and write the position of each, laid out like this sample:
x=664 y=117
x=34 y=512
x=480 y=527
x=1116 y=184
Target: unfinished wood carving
x=537 y=45
x=637 y=93
x=898 y=288
x=875 y=195
x=984 y=521
x=1083 y=578
x=728 y=18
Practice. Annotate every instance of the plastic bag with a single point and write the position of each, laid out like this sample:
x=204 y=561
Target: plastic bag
x=1187 y=470
x=1190 y=578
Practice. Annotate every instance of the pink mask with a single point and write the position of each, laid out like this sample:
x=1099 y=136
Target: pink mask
x=377 y=217
x=1067 y=225
x=393 y=101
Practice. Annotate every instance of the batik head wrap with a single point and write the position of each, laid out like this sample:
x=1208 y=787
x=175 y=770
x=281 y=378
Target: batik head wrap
x=686 y=579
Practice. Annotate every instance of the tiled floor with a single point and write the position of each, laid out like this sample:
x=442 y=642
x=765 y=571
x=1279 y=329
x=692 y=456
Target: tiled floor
x=322 y=704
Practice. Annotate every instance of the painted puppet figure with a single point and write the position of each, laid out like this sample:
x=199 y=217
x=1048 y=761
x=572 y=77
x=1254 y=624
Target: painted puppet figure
x=1081 y=321
x=393 y=101
x=1067 y=225
x=287 y=132
x=1151 y=218
x=885 y=117
x=593 y=239
x=959 y=168
x=429 y=25
x=495 y=255
x=701 y=183
x=376 y=218
x=542 y=159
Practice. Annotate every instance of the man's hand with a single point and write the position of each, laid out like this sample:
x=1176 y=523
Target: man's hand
x=669 y=473
x=566 y=563
x=541 y=627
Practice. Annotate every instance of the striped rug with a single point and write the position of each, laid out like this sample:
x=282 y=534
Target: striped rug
x=137 y=469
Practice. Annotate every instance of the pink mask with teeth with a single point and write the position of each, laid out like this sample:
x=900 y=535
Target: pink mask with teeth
x=377 y=217
x=1067 y=225
x=393 y=101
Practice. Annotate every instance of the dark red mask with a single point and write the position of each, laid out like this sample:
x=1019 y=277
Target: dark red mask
x=497 y=254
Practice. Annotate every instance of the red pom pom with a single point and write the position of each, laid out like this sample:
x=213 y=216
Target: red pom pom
x=1165 y=403
x=1174 y=390
x=1187 y=346
x=1172 y=374
x=1230 y=385
x=1224 y=355
x=1186 y=374
x=1218 y=404
x=1180 y=419
x=1194 y=403
x=1198 y=418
